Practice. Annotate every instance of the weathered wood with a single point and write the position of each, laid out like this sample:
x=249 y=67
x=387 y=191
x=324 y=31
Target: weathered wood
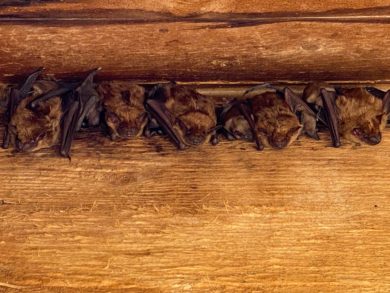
x=189 y=7
x=142 y=216
x=197 y=52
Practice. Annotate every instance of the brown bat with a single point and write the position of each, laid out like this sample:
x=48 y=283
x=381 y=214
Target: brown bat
x=32 y=129
x=81 y=104
x=274 y=115
x=124 y=110
x=186 y=116
x=356 y=114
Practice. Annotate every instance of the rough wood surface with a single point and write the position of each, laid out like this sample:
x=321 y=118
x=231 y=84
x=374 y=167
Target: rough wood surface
x=191 y=7
x=141 y=216
x=199 y=41
x=198 y=52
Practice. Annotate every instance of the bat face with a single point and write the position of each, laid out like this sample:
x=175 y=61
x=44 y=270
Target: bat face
x=125 y=113
x=235 y=124
x=36 y=129
x=276 y=124
x=188 y=116
x=361 y=117
x=194 y=113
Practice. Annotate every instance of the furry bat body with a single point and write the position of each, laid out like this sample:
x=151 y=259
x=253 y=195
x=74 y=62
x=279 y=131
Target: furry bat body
x=124 y=110
x=274 y=116
x=81 y=104
x=32 y=129
x=356 y=114
x=185 y=115
x=43 y=113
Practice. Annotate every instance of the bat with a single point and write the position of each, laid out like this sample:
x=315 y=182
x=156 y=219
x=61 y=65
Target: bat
x=81 y=104
x=323 y=97
x=274 y=114
x=356 y=114
x=186 y=116
x=362 y=114
x=32 y=129
x=124 y=110
x=276 y=123
x=237 y=123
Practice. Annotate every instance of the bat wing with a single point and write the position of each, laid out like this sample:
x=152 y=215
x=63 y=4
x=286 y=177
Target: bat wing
x=376 y=92
x=77 y=104
x=244 y=109
x=308 y=117
x=386 y=102
x=159 y=111
x=328 y=99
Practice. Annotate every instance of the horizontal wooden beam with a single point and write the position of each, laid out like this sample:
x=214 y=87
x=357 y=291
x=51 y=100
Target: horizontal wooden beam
x=189 y=8
x=201 y=51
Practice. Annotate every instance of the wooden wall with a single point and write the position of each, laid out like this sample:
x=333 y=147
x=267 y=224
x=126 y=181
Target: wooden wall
x=220 y=40
x=140 y=216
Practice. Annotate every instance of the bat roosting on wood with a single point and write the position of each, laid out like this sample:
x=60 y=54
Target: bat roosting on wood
x=356 y=114
x=124 y=110
x=81 y=103
x=271 y=115
x=43 y=112
x=32 y=129
x=186 y=116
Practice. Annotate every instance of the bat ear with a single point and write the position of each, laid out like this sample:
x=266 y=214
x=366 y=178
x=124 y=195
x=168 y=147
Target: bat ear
x=291 y=99
x=311 y=93
x=26 y=87
x=386 y=103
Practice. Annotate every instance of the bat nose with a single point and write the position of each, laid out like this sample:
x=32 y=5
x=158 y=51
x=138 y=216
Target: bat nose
x=196 y=139
x=279 y=144
x=126 y=131
x=375 y=139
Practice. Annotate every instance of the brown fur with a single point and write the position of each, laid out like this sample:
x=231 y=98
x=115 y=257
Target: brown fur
x=276 y=124
x=36 y=129
x=361 y=116
x=193 y=114
x=125 y=114
x=236 y=124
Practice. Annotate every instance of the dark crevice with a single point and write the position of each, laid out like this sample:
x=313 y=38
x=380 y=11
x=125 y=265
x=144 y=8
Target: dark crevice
x=219 y=20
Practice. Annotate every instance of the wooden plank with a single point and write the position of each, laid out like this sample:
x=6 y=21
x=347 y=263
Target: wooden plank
x=188 y=8
x=201 y=51
x=142 y=216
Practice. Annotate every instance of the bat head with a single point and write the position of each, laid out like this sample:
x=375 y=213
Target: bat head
x=276 y=124
x=281 y=132
x=194 y=127
x=125 y=114
x=38 y=128
x=368 y=130
x=361 y=116
x=236 y=125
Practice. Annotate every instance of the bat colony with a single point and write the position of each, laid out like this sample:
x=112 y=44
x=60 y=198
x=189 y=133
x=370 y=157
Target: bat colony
x=44 y=112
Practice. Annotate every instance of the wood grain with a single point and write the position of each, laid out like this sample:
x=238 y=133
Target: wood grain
x=197 y=52
x=189 y=8
x=141 y=216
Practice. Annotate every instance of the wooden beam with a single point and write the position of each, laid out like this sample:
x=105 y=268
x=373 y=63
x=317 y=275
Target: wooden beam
x=189 y=8
x=201 y=51
x=140 y=215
